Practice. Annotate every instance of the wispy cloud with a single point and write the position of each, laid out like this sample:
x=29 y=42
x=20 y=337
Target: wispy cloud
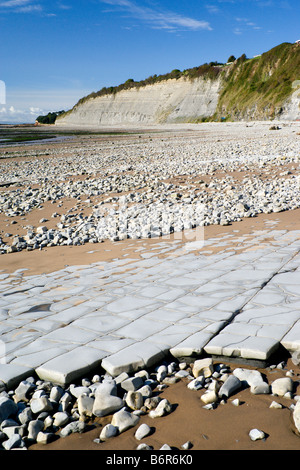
x=21 y=6
x=212 y=9
x=159 y=19
x=14 y=3
x=23 y=105
x=245 y=25
x=30 y=9
x=25 y=6
x=63 y=6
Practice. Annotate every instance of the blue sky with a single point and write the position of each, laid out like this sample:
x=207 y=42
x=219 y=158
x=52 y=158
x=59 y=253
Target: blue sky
x=53 y=53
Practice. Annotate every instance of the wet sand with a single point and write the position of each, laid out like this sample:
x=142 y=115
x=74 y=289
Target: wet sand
x=224 y=428
x=57 y=257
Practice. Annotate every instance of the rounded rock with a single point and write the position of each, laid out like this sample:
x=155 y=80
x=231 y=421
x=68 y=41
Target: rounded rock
x=108 y=431
x=134 y=400
x=281 y=386
x=143 y=431
x=256 y=434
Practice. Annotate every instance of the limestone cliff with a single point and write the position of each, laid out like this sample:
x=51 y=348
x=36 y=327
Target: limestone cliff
x=170 y=101
x=262 y=88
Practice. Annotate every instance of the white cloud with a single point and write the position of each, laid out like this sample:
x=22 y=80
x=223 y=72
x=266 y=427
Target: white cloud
x=21 y=6
x=245 y=25
x=63 y=6
x=14 y=3
x=16 y=115
x=212 y=8
x=24 y=106
x=237 y=31
x=29 y=9
x=159 y=19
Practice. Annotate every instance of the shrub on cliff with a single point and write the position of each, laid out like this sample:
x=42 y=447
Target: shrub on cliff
x=50 y=118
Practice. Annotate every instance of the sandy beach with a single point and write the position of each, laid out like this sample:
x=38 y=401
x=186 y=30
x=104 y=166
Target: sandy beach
x=226 y=427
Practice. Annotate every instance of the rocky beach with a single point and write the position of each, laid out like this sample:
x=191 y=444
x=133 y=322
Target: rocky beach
x=149 y=287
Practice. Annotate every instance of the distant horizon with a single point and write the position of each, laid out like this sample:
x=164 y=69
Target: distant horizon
x=56 y=53
x=16 y=123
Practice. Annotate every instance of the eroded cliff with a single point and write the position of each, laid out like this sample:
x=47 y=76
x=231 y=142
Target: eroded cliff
x=265 y=87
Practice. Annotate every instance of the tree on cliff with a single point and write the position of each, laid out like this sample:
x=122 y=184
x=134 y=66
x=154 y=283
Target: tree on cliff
x=50 y=118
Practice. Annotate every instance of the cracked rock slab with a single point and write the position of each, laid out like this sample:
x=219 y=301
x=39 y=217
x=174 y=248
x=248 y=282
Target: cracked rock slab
x=71 y=365
x=246 y=347
x=125 y=316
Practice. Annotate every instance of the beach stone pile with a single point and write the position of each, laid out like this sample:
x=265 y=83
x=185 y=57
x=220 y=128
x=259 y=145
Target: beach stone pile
x=139 y=191
x=38 y=411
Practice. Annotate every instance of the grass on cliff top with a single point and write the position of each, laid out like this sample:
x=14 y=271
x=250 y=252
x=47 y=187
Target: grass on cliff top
x=264 y=82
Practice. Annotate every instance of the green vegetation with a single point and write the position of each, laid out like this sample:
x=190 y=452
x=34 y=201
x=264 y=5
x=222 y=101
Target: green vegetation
x=11 y=136
x=259 y=86
x=251 y=88
x=50 y=118
x=207 y=71
x=231 y=59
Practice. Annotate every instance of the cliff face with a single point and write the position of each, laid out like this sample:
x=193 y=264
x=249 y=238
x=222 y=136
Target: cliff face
x=262 y=88
x=265 y=87
x=170 y=101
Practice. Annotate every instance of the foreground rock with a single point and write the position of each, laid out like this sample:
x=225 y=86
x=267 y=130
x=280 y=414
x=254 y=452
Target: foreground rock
x=296 y=416
x=42 y=411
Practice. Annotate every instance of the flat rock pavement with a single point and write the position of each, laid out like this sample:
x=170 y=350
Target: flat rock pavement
x=128 y=314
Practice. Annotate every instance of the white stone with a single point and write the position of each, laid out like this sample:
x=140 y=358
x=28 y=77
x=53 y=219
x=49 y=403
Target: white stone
x=296 y=416
x=38 y=405
x=108 y=431
x=134 y=400
x=196 y=384
x=132 y=383
x=256 y=434
x=143 y=446
x=275 y=405
x=281 y=386
x=44 y=437
x=34 y=427
x=164 y=407
x=106 y=404
x=203 y=367
x=124 y=420
x=146 y=391
x=14 y=442
x=209 y=397
x=236 y=402
x=230 y=386
x=85 y=405
x=142 y=431
x=61 y=418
